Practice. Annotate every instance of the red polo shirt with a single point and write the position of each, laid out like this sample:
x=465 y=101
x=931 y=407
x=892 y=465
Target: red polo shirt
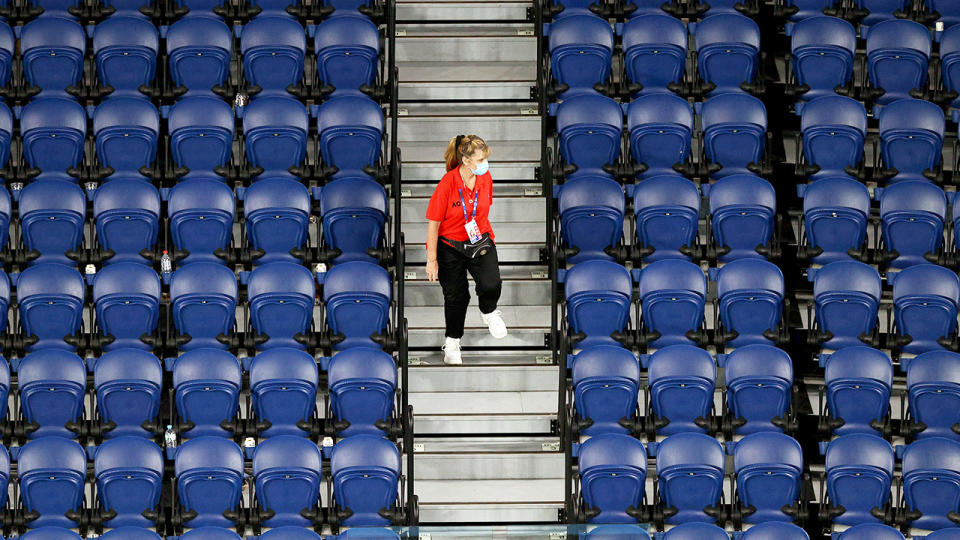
x=445 y=204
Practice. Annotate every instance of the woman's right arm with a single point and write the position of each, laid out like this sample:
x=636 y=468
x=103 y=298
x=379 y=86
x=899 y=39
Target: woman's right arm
x=433 y=232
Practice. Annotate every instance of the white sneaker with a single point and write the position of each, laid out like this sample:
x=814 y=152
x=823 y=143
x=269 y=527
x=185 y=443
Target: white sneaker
x=451 y=351
x=494 y=322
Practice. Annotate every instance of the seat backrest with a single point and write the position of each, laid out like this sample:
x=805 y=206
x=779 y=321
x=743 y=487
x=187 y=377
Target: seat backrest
x=350 y=127
x=209 y=472
x=858 y=382
x=292 y=533
x=277 y=211
x=6 y=128
x=696 y=531
x=952 y=533
x=734 y=130
x=207 y=384
x=682 y=379
x=357 y=296
x=655 y=50
x=7 y=48
x=823 y=51
x=835 y=217
x=742 y=207
x=52 y=384
x=354 y=211
x=53 y=48
x=589 y=281
x=667 y=208
x=581 y=49
x=281 y=302
x=203 y=299
x=933 y=386
x=52 y=217
x=769 y=468
x=661 y=127
x=347 y=48
x=912 y=115
x=201 y=133
x=55 y=533
x=759 y=379
x=847 y=276
x=53 y=131
x=127 y=214
x=129 y=475
x=126 y=129
x=201 y=213
x=275 y=128
x=871 y=531
x=913 y=214
x=130 y=533
x=859 y=471
x=273 y=48
x=210 y=533
x=365 y=470
x=283 y=386
x=52 y=472
x=287 y=472
x=728 y=45
x=127 y=299
x=362 y=382
x=606 y=380
x=199 y=49
x=126 y=49
x=690 y=468
x=50 y=297
x=128 y=384
x=772 y=530
x=613 y=471
x=589 y=125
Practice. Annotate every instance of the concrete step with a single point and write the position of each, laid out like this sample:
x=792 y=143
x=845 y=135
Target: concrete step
x=481 y=10
x=521 y=286
x=475 y=377
x=488 y=466
x=526 y=326
x=490 y=501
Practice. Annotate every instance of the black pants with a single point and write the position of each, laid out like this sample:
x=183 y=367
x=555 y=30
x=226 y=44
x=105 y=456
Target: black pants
x=453 y=267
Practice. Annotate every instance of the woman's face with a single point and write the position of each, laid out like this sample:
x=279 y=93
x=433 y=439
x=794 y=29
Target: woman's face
x=473 y=161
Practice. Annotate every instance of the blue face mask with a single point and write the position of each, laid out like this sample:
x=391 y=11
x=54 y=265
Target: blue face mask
x=482 y=168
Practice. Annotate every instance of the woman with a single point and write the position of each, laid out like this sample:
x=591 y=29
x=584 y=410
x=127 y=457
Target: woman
x=460 y=240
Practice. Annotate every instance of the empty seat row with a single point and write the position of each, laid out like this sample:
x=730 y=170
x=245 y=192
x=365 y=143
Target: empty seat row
x=210 y=533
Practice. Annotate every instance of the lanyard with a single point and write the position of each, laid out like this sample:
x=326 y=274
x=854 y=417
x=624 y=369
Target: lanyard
x=463 y=206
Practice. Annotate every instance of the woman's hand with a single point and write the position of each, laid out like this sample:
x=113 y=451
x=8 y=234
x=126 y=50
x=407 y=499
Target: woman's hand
x=433 y=270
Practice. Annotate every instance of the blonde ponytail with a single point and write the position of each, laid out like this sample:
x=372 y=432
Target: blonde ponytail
x=461 y=146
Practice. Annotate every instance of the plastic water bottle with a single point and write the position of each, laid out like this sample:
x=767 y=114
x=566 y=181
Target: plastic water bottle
x=166 y=263
x=170 y=437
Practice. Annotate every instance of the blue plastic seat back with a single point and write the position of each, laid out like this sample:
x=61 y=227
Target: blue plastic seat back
x=871 y=531
x=750 y=297
x=283 y=386
x=812 y=8
x=203 y=303
x=581 y=51
x=822 y=50
x=209 y=472
x=728 y=49
x=696 y=531
x=672 y=297
x=667 y=211
x=6 y=212
x=591 y=215
x=128 y=384
x=882 y=10
x=858 y=383
x=53 y=131
x=210 y=533
x=56 y=533
x=589 y=127
x=275 y=130
x=357 y=299
x=944 y=534
x=207 y=386
x=617 y=532
x=281 y=296
x=129 y=473
x=834 y=128
x=598 y=297
x=4 y=393
x=655 y=51
x=773 y=530
x=913 y=215
x=950 y=59
x=277 y=212
x=50 y=297
x=859 y=472
x=126 y=49
x=273 y=48
x=7 y=49
x=201 y=213
x=949 y=12
x=354 y=212
x=734 y=131
x=52 y=216
x=362 y=383
x=898 y=53
x=661 y=127
x=127 y=298
x=287 y=475
x=606 y=383
x=690 y=475
x=52 y=385
x=127 y=215
x=933 y=393
x=925 y=303
x=52 y=472
x=835 y=214
x=911 y=137
x=613 y=474
x=931 y=481
x=53 y=48
x=682 y=379
x=847 y=296
x=130 y=533
x=365 y=470
x=199 y=49
x=769 y=468
x=6 y=130
x=743 y=209
x=347 y=49
x=759 y=380
x=350 y=127
x=126 y=129
x=293 y=533
x=201 y=133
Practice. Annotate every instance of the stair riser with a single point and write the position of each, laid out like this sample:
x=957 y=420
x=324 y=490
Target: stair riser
x=466 y=49
x=465 y=11
x=483 y=379
x=489 y=466
x=501 y=128
x=513 y=293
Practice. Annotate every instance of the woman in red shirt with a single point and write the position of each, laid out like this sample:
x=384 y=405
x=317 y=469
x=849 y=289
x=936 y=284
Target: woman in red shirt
x=460 y=240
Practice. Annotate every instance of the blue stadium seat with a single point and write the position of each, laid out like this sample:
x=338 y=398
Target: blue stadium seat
x=210 y=533
x=7 y=49
x=598 y=297
x=876 y=11
x=950 y=62
x=130 y=533
x=926 y=299
x=774 y=530
x=201 y=213
x=811 y=8
x=859 y=473
x=672 y=298
x=129 y=474
x=52 y=217
x=858 y=383
x=618 y=532
x=127 y=299
x=822 y=53
x=53 y=48
x=913 y=215
x=365 y=470
x=367 y=532
x=287 y=477
x=201 y=134
x=207 y=384
x=728 y=50
x=759 y=380
x=661 y=127
x=277 y=212
x=898 y=52
x=835 y=214
x=357 y=298
x=690 y=477
x=53 y=131
x=199 y=49
x=682 y=379
x=606 y=382
x=126 y=48
x=50 y=297
x=293 y=533
x=591 y=215
x=6 y=130
x=769 y=469
x=127 y=214
x=275 y=129
x=126 y=129
x=667 y=212
x=655 y=51
x=273 y=48
x=52 y=472
x=347 y=49
x=6 y=212
x=4 y=474
x=354 y=211
x=209 y=473
x=283 y=387
x=953 y=533
x=4 y=394
x=128 y=385
x=350 y=127
x=931 y=481
x=933 y=394
x=613 y=473
x=911 y=137
x=834 y=129
x=847 y=296
x=750 y=299
x=581 y=51
x=589 y=127
x=734 y=132
x=696 y=531
x=362 y=385
x=203 y=300
x=56 y=533
x=948 y=12
x=281 y=298
x=743 y=209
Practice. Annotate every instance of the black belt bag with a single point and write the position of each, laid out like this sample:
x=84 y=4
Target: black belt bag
x=470 y=251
